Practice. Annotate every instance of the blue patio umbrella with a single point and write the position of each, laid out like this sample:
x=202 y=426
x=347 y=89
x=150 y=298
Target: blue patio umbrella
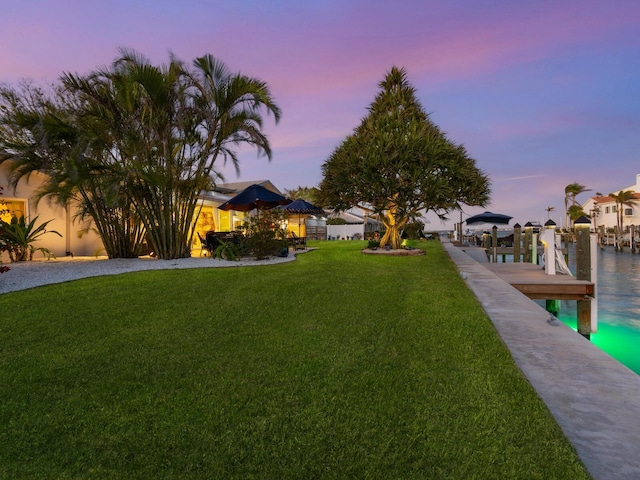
x=254 y=197
x=301 y=207
x=489 y=217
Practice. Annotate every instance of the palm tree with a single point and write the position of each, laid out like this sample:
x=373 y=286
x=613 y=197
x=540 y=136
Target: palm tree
x=571 y=191
x=310 y=194
x=549 y=210
x=622 y=198
x=184 y=121
x=595 y=211
x=575 y=212
x=135 y=144
x=52 y=133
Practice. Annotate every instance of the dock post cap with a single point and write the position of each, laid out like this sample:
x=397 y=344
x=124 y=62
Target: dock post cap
x=582 y=220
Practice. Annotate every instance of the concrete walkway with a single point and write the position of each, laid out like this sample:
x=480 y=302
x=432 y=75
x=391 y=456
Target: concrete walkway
x=593 y=397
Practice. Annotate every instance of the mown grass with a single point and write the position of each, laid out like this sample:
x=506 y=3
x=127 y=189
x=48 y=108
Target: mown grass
x=338 y=365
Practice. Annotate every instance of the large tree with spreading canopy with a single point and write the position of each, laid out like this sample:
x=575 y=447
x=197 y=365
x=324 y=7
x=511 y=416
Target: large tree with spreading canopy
x=401 y=164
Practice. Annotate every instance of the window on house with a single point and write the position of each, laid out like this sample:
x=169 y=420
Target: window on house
x=607 y=209
x=13 y=208
x=614 y=209
x=628 y=211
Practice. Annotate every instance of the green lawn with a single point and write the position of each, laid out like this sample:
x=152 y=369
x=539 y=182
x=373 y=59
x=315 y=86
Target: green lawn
x=337 y=365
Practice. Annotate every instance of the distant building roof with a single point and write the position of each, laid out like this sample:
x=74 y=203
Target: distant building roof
x=608 y=199
x=352 y=218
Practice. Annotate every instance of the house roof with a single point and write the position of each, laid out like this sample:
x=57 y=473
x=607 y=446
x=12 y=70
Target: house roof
x=608 y=199
x=352 y=218
x=236 y=187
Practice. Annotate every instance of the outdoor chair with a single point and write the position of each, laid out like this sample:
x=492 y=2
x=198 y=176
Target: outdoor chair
x=213 y=241
x=204 y=246
x=298 y=243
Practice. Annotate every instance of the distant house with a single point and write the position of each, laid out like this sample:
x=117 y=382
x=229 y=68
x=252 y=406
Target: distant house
x=603 y=209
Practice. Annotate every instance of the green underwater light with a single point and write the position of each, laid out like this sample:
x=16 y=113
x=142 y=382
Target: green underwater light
x=622 y=342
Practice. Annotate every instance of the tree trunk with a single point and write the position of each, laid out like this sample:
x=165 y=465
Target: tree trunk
x=393 y=225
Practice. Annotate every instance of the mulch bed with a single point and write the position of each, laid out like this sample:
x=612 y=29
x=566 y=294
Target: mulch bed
x=400 y=252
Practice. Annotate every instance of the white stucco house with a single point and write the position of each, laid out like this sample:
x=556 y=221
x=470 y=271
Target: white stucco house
x=79 y=239
x=603 y=210
x=76 y=236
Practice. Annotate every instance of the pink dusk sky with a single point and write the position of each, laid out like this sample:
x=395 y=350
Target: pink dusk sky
x=541 y=93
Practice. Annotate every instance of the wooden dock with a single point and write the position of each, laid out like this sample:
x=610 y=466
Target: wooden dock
x=531 y=280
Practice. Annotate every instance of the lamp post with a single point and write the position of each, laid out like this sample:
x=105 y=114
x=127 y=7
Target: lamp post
x=548 y=238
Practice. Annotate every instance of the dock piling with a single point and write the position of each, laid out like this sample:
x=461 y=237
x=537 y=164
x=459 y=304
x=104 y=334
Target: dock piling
x=583 y=272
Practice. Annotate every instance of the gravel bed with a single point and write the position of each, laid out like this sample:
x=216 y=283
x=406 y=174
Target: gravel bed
x=25 y=275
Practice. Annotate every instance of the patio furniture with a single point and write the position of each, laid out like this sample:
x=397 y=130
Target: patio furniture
x=298 y=243
x=213 y=241
x=204 y=246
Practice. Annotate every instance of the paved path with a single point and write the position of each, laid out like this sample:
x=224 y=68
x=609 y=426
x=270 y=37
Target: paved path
x=44 y=272
x=593 y=397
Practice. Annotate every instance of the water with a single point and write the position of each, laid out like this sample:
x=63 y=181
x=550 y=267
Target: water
x=618 y=293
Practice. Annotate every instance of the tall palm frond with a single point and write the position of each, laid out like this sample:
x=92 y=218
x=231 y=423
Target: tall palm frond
x=571 y=192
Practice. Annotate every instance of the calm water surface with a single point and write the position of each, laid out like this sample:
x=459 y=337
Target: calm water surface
x=618 y=293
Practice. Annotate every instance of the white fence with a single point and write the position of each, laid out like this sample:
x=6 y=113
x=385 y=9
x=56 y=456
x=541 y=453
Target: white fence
x=342 y=232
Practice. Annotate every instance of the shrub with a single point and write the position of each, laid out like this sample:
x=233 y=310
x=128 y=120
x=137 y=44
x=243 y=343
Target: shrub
x=264 y=235
x=18 y=236
x=227 y=251
x=409 y=244
x=413 y=230
x=373 y=244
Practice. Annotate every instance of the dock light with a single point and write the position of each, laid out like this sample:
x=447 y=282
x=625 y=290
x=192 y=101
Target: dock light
x=548 y=239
